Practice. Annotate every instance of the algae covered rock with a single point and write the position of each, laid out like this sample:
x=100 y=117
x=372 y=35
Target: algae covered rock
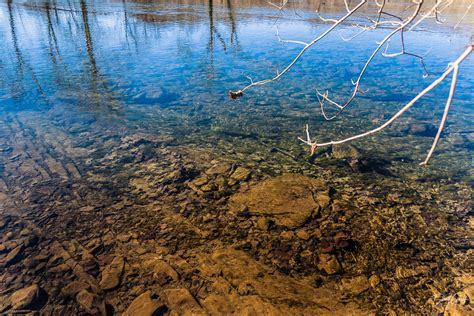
x=287 y=199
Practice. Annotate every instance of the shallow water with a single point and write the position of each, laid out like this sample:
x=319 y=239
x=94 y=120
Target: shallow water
x=118 y=140
x=166 y=68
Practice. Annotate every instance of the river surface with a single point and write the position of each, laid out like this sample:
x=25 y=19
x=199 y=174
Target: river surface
x=166 y=67
x=122 y=152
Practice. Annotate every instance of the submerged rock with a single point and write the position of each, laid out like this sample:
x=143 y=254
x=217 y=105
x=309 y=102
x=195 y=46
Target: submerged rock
x=26 y=297
x=112 y=274
x=288 y=199
x=374 y=280
x=403 y=272
x=266 y=292
x=355 y=285
x=182 y=302
x=302 y=234
x=162 y=271
x=14 y=255
x=91 y=303
x=263 y=223
x=421 y=129
x=220 y=168
x=200 y=181
x=90 y=264
x=460 y=304
x=74 y=287
x=240 y=174
x=144 y=138
x=124 y=238
x=144 y=305
x=344 y=151
x=323 y=199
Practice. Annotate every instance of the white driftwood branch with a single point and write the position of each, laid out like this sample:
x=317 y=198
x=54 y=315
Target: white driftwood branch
x=449 y=101
x=452 y=68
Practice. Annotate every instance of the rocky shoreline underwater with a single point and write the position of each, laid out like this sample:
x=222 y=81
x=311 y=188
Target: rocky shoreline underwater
x=148 y=226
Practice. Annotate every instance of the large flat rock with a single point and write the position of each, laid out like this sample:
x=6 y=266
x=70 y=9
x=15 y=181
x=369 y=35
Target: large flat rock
x=243 y=286
x=288 y=199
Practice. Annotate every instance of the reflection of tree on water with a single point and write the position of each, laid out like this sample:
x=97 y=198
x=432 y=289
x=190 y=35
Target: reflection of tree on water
x=187 y=13
x=212 y=29
x=214 y=32
x=96 y=78
x=21 y=62
x=63 y=79
x=51 y=33
x=88 y=37
x=233 y=26
x=66 y=26
x=61 y=70
x=127 y=27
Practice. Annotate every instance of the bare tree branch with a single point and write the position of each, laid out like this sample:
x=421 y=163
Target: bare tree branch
x=397 y=25
x=236 y=94
x=288 y=41
x=452 y=68
x=322 y=98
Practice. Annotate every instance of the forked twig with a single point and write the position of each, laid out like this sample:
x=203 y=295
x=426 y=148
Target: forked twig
x=400 y=26
x=322 y=98
x=288 y=41
x=236 y=94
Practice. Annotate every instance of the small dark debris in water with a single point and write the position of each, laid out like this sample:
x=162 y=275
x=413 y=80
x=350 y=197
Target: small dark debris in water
x=6 y=149
x=235 y=95
x=464 y=246
x=406 y=247
x=319 y=153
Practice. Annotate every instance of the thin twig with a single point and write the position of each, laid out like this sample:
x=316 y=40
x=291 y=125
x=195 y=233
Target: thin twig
x=288 y=41
x=445 y=114
x=462 y=18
